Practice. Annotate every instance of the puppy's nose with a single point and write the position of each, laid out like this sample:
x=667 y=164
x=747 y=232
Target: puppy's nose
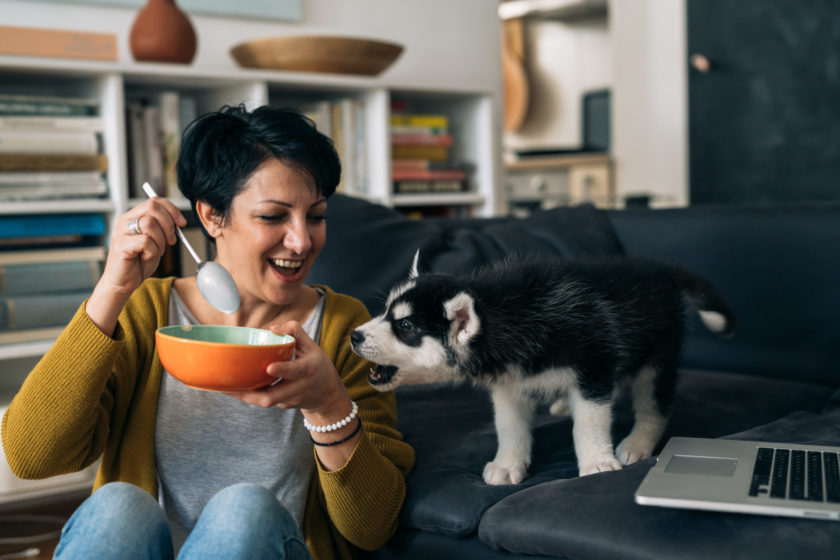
x=357 y=337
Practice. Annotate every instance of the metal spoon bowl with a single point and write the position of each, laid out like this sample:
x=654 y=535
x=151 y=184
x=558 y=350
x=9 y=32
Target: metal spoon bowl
x=214 y=282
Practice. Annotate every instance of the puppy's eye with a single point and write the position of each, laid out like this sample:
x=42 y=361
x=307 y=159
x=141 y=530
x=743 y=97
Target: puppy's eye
x=405 y=325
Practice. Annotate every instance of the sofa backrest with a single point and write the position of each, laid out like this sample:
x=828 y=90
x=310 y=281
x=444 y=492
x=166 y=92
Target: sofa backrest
x=370 y=247
x=778 y=266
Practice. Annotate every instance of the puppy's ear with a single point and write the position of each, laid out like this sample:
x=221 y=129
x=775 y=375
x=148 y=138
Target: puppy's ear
x=464 y=322
x=418 y=266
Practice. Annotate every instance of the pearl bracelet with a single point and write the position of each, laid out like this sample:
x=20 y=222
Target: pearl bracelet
x=333 y=427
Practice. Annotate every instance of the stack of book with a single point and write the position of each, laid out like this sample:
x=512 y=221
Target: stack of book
x=422 y=162
x=41 y=289
x=343 y=120
x=50 y=147
x=154 y=125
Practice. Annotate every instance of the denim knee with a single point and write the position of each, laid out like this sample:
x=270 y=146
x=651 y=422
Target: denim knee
x=119 y=520
x=244 y=519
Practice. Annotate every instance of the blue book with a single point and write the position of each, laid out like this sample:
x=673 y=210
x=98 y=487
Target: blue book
x=51 y=224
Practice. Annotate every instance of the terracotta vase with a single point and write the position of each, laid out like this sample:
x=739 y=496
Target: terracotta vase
x=161 y=32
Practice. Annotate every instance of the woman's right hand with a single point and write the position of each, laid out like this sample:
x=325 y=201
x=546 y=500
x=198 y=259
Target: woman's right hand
x=132 y=257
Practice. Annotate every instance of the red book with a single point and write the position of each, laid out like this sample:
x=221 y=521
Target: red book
x=428 y=174
x=408 y=139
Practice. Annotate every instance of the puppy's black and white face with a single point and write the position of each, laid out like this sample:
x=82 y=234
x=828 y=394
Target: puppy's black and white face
x=422 y=336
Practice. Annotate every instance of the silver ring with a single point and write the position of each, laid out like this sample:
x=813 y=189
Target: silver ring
x=134 y=227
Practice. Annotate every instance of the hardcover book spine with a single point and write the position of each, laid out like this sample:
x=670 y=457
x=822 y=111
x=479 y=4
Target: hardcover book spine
x=45 y=278
x=39 y=311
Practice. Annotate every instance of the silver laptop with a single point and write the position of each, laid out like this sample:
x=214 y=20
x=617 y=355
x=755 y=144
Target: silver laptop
x=745 y=477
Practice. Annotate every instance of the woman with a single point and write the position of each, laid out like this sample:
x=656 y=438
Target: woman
x=258 y=182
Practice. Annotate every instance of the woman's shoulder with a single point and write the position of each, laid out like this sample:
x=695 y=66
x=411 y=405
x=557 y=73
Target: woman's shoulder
x=342 y=308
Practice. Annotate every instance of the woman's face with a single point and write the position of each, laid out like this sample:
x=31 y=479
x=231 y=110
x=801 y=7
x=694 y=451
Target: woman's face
x=276 y=229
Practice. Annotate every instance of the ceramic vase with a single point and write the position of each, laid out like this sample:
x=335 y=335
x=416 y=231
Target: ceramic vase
x=161 y=32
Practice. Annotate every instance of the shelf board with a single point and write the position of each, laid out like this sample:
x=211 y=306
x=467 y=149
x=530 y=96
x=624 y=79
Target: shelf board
x=58 y=206
x=438 y=199
x=176 y=75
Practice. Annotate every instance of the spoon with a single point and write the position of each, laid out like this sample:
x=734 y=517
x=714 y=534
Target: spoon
x=214 y=282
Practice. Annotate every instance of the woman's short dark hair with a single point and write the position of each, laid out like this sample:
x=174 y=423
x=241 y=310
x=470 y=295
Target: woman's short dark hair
x=221 y=150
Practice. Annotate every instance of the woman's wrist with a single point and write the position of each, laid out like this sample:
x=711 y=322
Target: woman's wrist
x=330 y=418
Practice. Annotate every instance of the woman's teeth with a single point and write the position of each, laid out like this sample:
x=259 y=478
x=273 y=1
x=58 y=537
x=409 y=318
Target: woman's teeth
x=282 y=263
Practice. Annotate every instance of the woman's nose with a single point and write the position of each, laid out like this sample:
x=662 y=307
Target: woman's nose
x=297 y=238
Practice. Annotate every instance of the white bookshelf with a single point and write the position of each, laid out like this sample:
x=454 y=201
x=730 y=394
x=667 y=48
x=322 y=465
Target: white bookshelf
x=472 y=114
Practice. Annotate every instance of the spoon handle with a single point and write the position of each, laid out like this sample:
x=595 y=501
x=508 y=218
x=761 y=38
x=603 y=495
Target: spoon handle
x=152 y=194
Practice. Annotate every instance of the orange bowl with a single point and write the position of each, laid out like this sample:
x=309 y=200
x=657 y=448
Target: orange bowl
x=221 y=358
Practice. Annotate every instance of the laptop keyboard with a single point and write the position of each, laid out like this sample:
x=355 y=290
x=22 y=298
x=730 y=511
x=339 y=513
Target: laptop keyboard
x=796 y=475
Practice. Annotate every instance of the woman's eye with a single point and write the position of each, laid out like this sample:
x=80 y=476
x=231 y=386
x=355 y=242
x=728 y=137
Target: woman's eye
x=273 y=217
x=317 y=218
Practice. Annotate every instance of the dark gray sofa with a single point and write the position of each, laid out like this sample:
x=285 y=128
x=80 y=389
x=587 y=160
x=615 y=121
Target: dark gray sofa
x=779 y=268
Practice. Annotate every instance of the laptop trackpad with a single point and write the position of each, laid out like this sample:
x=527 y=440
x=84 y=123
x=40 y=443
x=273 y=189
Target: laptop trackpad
x=714 y=466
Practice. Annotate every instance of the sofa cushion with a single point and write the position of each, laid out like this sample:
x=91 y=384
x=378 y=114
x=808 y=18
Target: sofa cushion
x=452 y=432
x=370 y=248
x=596 y=516
x=777 y=265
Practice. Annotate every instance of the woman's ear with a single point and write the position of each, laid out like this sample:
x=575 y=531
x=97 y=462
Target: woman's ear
x=209 y=218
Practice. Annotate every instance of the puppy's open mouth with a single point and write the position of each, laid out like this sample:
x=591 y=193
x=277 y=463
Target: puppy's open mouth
x=381 y=374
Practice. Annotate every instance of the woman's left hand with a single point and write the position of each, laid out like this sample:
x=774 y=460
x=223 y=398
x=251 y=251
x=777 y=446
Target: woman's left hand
x=310 y=382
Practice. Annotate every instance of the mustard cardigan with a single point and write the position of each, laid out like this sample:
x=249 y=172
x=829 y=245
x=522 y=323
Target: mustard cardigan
x=93 y=396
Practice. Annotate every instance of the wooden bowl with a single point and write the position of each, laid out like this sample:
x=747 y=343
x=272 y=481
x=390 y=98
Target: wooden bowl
x=221 y=358
x=312 y=53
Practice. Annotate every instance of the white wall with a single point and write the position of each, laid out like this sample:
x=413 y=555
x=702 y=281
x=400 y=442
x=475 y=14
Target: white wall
x=650 y=99
x=564 y=59
x=447 y=43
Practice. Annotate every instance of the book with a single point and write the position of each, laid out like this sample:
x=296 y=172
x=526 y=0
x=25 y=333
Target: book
x=36 y=41
x=53 y=162
x=52 y=191
x=421 y=139
x=96 y=253
x=431 y=153
x=398 y=129
x=48 y=141
x=170 y=137
x=47 y=106
x=51 y=224
x=39 y=311
x=30 y=335
x=49 y=177
x=428 y=174
x=41 y=122
x=420 y=120
x=138 y=168
x=435 y=186
x=49 y=277
x=321 y=114
x=154 y=149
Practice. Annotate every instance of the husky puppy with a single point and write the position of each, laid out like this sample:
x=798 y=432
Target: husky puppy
x=543 y=331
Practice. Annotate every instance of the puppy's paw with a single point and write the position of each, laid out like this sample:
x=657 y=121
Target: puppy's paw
x=496 y=473
x=601 y=464
x=560 y=407
x=631 y=450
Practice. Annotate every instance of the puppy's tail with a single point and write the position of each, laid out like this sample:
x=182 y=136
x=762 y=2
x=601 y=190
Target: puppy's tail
x=713 y=310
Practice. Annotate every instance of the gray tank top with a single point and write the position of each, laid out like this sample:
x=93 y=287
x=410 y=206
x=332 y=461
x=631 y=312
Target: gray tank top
x=206 y=441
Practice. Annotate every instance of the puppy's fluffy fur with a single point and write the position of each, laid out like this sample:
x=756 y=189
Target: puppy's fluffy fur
x=567 y=333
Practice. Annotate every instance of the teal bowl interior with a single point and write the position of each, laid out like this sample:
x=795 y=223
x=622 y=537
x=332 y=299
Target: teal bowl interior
x=220 y=334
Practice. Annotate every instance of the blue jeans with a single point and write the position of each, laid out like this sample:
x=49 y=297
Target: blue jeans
x=121 y=521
